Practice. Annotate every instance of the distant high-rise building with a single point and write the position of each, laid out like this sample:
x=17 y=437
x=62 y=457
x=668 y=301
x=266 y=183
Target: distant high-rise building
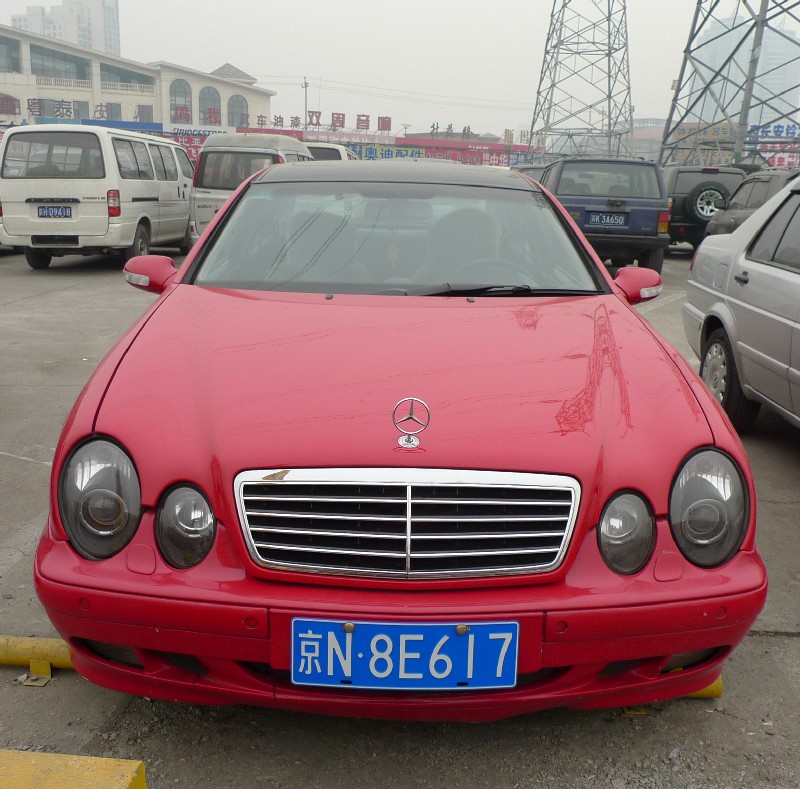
x=93 y=24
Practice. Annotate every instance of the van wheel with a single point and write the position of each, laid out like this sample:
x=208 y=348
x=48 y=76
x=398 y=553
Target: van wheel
x=186 y=244
x=37 y=259
x=140 y=245
x=652 y=259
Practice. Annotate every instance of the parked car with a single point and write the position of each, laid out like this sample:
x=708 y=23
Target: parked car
x=386 y=446
x=80 y=190
x=742 y=317
x=621 y=205
x=323 y=151
x=532 y=170
x=750 y=195
x=695 y=193
x=228 y=159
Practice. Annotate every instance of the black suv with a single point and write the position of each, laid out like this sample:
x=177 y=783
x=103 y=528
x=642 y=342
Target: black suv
x=620 y=205
x=751 y=194
x=695 y=192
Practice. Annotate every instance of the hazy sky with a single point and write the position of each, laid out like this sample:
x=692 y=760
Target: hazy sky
x=448 y=61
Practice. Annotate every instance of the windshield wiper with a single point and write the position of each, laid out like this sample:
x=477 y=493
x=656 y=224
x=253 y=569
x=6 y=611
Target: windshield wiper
x=505 y=290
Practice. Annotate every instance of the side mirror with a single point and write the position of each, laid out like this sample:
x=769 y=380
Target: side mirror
x=150 y=272
x=720 y=203
x=639 y=284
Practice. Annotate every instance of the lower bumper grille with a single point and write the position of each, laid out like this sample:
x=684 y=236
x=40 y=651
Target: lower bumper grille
x=407 y=523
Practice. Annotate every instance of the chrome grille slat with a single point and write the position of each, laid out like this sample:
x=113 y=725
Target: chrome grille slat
x=447 y=523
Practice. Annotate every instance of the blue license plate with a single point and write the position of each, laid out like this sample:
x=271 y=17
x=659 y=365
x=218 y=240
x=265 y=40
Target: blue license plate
x=404 y=656
x=54 y=212
x=605 y=220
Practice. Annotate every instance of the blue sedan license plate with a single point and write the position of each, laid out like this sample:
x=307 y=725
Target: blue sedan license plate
x=54 y=212
x=404 y=656
x=614 y=220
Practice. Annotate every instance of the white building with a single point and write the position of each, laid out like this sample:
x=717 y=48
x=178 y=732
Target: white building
x=44 y=78
x=91 y=24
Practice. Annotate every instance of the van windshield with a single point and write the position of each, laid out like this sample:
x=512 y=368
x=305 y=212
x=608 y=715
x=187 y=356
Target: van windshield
x=53 y=155
x=227 y=169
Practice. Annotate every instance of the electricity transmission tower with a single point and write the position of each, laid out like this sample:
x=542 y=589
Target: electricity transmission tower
x=583 y=104
x=736 y=97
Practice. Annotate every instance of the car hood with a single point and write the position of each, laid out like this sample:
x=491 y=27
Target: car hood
x=217 y=382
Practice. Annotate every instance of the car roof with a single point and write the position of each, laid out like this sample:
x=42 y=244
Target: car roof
x=406 y=171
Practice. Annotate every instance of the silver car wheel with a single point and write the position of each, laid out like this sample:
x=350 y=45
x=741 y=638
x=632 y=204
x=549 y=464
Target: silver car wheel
x=715 y=370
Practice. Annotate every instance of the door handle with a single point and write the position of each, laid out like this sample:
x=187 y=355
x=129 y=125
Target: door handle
x=742 y=278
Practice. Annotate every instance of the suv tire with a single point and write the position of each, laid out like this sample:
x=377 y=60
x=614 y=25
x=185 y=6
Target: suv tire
x=700 y=201
x=652 y=259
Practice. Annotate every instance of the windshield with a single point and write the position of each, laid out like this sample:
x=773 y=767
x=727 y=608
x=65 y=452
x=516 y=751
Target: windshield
x=53 y=155
x=395 y=238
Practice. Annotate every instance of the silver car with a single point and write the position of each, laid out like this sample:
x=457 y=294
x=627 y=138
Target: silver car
x=742 y=315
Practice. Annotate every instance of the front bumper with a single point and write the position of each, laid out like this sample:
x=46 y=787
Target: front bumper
x=229 y=643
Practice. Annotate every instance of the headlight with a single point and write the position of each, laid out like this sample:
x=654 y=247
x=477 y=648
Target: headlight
x=709 y=508
x=185 y=527
x=626 y=533
x=99 y=499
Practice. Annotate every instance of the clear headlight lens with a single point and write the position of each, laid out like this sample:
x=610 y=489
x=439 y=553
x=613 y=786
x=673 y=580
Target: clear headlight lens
x=185 y=527
x=709 y=508
x=99 y=499
x=626 y=533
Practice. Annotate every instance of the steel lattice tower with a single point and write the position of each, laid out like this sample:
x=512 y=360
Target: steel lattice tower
x=583 y=104
x=736 y=98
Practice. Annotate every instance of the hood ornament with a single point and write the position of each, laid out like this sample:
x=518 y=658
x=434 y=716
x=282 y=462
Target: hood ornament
x=410 y=416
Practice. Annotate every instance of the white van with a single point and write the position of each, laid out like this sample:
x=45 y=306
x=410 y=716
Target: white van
x=331 y=150
x=68 y=189
x=227 y=159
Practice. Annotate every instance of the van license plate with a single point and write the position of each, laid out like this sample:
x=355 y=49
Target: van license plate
x=404 y=655
x=54 y=212
x=617 y=220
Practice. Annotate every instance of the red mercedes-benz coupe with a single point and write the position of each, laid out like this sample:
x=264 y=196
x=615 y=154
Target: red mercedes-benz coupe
x=393 y=443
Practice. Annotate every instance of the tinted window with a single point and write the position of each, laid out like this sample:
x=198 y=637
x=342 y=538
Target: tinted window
x=53 y=155
x=609 y=179
x=393 y=238
x=184 y=163
x=322 y=154
x=788 y=251
x=161 y=173
x=741 y=196
x=759 y=195
x=770 y=236
x=227 y=169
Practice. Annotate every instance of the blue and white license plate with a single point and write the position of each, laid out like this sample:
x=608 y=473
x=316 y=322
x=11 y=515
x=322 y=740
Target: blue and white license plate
x=54 y=211
x=615 y=220
x=404 y=656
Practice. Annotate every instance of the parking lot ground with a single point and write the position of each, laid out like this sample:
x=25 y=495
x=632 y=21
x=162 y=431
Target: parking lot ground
x=54 y=327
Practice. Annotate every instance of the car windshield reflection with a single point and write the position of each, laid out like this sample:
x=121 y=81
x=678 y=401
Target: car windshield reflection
x=394 y=239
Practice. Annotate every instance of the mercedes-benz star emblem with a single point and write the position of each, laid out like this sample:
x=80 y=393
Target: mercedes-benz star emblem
x=410 y=416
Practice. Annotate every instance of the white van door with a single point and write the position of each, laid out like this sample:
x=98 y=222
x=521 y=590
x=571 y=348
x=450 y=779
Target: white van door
x=66 y=182
x=172 y=190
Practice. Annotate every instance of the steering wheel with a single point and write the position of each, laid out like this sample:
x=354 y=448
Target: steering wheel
x=493 y=270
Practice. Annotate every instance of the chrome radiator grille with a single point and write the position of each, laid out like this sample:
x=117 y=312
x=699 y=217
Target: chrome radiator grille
x=407 y=523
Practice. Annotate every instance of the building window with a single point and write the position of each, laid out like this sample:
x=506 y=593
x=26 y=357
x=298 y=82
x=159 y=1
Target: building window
x=9 y=56
x=144 y=113
x=80 y=109
x=58 y=65
x=238 y=111
x=210 y=107
x=113 y=111
x=8 y=105
x=180 y=101
x=123 y=76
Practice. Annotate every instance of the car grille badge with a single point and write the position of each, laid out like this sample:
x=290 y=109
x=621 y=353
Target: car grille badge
x=410 y=416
